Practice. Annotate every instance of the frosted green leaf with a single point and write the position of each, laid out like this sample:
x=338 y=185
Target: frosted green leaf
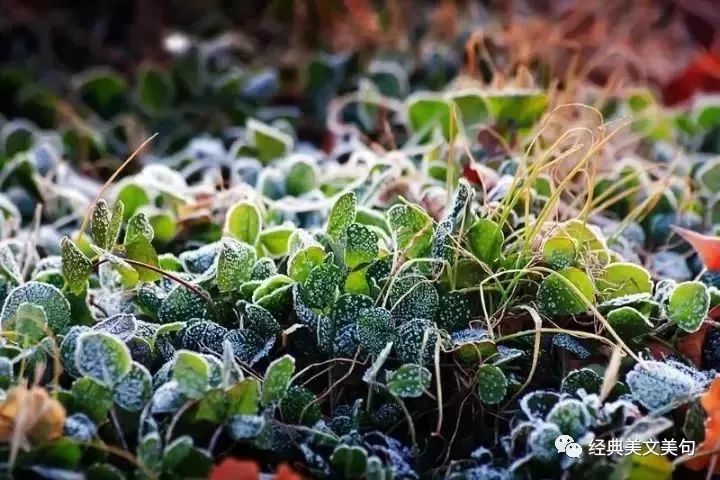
x=134 y=389
x=67 y=350
x=347 y=308
x=276 y=240
x=413 y=296
x=571 y=417
x=258 y=320
x=243 y=397
x=9 y=266
x=350 y=461
x=246 y=426
x=274 y=294
x=628 y=322
x=102 y=356
x=342 y=215
x=182 y=304
x=139 y=226
x=361 y=245
x=485 y=240
x=491 y=384
x=582 y=378
x=412 y=229
x=243 y=222
x=409 y=381
x=201 y=259
x=302 y=177
x=303 y=261
x=322 y=285
x=688 y=305
x=121 y=325
x=116 y=220
x=76 y=267
x=192 y=373
x=300 y=406
x=542 y=442
x=269 y=142
x=415 y=341
x=263 y=269
x=557 y=297
x=127 y=273
x=277 y=379
x=620 y=279
x=453 y=311
x=235 y=263
x=559 y=252
x=149 y=451
x=375 y=329
x=92 y=397
x=100 y=225
x=56 y=306
x=30 y=323
x=536 y=405
x=521 y=107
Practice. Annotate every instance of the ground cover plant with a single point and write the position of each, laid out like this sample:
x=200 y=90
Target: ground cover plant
x=417 y=265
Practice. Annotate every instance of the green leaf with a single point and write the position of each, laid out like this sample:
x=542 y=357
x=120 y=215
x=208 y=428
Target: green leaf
x=134 y=389
x=410 y=380
x=557 y=297
x=342 y=215
x=56 y=306
x=688 y=305
x=243 y=397
x=628 y=322
x=428 y=112
x=155 y=90
x=182 y=304
x=269 y=142
x=491 y=384
x=76 y=267
x=471 y=105
x=412 y=229
x=102 y=356
x=192 y=373
x=100 y=225
x=133 y=197
x=92 y=398
x=149 y=451
x=303 y=261
x=559 y=252
x=485 y=239
x=176 y=451
x=361 y=245
x=350 y=461
x=523 y=107
x=243 y=222
x=413 y=296
x=621 y=279
x=277 y=240
x=139 y=226
x=375 y=329
x=116 y=220
x=322 y=285
x=302 y=177
x=235 y=264
x=141 y=250
x=30 y=323
x=277 y=379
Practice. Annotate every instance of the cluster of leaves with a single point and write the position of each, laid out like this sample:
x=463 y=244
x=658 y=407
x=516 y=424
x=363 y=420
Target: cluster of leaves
x=443 y=307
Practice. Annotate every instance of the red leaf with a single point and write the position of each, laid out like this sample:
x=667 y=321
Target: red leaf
x=706 y=246
x=691 y=345
x=233 y=469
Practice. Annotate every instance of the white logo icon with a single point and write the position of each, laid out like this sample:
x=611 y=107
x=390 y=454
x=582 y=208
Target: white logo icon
x=566 y=444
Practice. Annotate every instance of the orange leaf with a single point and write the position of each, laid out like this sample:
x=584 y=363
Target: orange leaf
x=233 y=469
x=284 y=472
x=706 y=246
